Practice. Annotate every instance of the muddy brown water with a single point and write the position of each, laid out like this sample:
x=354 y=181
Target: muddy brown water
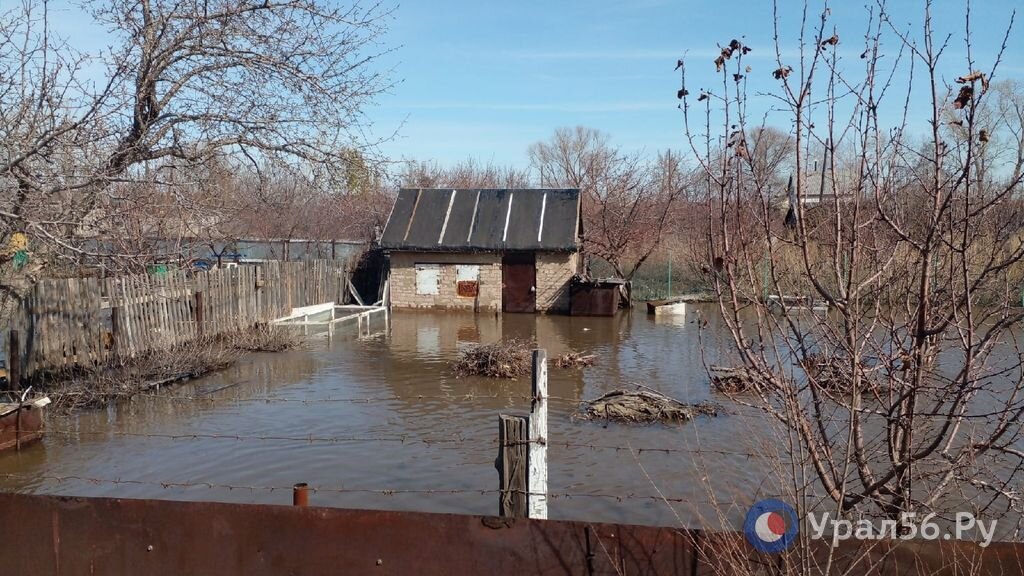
x=381 y=422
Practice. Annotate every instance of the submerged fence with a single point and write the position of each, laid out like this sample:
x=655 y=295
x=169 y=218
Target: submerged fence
x=84 y=321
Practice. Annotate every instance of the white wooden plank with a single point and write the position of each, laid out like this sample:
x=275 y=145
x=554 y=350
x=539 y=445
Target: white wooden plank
x=537 y=474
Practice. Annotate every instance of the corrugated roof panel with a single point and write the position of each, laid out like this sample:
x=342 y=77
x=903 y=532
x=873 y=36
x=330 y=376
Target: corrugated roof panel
x=460 y=219
x=560 y=214
x=428 y=218
x=490 y=220
x=524 y=221
x=394 y=232
x=481 y=216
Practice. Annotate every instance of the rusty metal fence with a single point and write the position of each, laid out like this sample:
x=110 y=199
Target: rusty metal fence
x=48 y=535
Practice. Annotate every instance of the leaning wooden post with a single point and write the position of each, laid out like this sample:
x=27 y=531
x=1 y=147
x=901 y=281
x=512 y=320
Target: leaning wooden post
x=537 y=458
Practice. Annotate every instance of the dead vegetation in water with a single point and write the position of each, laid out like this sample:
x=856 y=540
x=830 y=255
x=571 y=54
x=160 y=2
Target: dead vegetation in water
x=122 y=377
x=265 y=338
x=510 y=358
x=642 y=406
x=575 y=360
x=732 y=380
x=834 y=373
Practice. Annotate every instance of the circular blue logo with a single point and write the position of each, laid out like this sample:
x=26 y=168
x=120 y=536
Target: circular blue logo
x=771 y=526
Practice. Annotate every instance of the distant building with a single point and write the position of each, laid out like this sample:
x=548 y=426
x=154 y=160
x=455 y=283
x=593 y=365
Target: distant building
x=508 y=250
x=821 y=188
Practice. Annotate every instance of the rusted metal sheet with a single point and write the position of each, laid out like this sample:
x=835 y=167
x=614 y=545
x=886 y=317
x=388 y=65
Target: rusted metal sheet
x=593 y=299
x=467 y=278
x=67 y=536
x=518 y=282
x=72 y=536
x=468 y=288
x=20 y=426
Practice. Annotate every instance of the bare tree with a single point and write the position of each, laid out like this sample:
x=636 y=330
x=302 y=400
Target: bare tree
x=573 y=157
x=466 y=174
x=906 y=395
x=627 y=198
x=184 y=82
x=998 y=148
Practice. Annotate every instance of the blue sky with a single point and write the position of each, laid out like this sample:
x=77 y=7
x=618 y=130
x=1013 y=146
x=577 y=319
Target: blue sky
x=485 y=79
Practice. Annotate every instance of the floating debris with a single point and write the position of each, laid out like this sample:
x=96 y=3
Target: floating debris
x=502 y=359
x=642 y=406
x=732 y=380
x=575 y=360
x=833 y=373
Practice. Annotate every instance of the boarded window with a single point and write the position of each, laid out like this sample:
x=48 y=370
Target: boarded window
x=428 y=279
x=467 y=279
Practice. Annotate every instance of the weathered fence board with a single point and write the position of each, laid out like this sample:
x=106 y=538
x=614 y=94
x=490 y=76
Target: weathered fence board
x=84 y=321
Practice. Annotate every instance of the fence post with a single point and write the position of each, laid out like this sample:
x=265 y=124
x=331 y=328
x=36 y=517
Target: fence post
x=511 y=465
x=538 y=456
x=259 y=295
x=300 y=494
x=13 y=361
x=523 y=452
x=115 y=328
x=199 y=313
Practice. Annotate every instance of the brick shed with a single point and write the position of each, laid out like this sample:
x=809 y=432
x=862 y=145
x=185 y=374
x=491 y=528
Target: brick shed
x=510 y=250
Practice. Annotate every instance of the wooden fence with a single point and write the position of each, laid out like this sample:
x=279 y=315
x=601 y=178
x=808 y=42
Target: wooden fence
x=84 y=321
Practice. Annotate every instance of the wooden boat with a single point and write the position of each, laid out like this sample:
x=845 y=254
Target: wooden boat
x=21 y=423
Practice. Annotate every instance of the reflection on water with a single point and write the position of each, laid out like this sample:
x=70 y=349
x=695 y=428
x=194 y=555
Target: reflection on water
x=386 y=412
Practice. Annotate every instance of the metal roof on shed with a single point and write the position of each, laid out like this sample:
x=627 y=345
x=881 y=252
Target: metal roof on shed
x=483 y=219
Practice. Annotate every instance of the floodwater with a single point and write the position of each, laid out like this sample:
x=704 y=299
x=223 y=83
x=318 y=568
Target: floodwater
x=382 y=422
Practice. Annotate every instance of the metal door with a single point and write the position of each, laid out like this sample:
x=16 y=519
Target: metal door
x=519 y=282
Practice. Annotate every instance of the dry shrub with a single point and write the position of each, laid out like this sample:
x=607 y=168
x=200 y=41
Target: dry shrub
x=575 y=360
x=502 y=359
x=122 y=377
x=265 y=338
x=642 y=406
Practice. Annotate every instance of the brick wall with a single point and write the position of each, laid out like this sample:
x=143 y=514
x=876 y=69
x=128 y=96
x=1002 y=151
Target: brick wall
x=554 y=271
x=403 y=281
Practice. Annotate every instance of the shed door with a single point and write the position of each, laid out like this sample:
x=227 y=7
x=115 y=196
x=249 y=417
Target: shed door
x=519 y=282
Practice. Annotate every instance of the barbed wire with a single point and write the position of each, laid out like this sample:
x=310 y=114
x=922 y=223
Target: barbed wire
x=307 y=439
x=312 y=401
x=406 y=439
x=662 y=450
